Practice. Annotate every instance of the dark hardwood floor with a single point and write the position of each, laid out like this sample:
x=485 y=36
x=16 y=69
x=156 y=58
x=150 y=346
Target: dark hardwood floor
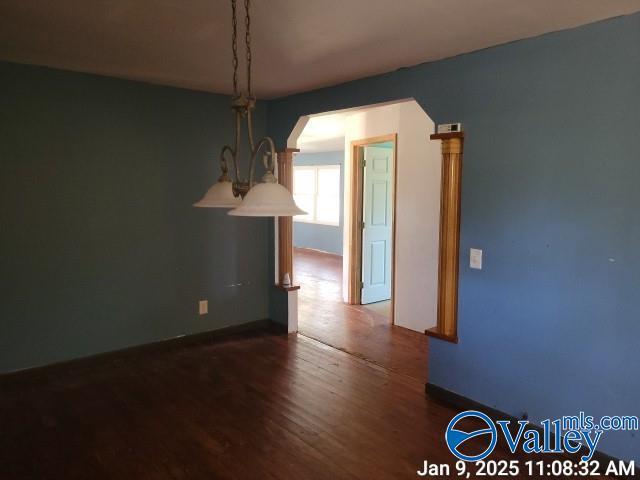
x=247 y=407
x=363 y=331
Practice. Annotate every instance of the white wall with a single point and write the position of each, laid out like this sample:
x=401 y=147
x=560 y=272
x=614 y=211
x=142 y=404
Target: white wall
x=417 y=208
x=417 y=220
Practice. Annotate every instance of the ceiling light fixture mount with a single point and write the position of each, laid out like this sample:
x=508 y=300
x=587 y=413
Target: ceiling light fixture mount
x=267 y=198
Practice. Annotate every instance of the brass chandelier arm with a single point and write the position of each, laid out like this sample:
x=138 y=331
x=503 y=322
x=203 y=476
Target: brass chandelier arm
x=236 y=150
x=250 y=107
x=268 y=159
x=224 y=165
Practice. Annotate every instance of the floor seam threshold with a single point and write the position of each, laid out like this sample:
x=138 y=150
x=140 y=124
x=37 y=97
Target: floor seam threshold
x=359 y=357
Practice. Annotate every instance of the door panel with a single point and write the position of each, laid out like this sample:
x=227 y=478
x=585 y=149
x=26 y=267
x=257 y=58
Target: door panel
x=377 y=204
x=378 y=249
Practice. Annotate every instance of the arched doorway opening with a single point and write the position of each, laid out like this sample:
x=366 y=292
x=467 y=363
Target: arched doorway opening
x=331 y=306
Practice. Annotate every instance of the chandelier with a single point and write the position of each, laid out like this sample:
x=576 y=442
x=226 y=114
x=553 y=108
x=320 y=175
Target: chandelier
x=247 y=197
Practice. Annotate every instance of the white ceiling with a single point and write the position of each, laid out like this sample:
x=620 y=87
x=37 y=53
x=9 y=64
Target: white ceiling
x=297 y=44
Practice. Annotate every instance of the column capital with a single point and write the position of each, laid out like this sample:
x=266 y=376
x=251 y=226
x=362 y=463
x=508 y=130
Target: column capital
x=287 y=154
x=446 y=136
x=451 y=142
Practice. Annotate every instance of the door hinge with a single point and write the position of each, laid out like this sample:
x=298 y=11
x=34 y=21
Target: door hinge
x=361 y=284
x=364 y=163
x=363 y=225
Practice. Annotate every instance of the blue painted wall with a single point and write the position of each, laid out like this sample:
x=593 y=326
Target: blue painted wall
x=327 y=238
x=550 y=326
x=100 y=248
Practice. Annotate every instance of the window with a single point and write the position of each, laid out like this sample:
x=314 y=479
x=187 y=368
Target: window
x=317 y=191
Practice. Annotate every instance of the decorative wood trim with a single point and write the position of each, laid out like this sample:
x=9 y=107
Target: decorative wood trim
x=433 y=332
x=446 y=136
x=390 y=137
x=290 y=288
x=354 y=290
x=393 y=229
x=460 y=402
x=285 y=224
x=447 y=326
x=249 y=328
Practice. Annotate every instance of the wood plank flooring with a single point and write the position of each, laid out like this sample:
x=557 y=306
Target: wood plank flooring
x=250 y=406
x=356 y=329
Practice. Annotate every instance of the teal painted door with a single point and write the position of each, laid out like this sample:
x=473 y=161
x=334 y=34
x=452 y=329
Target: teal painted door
x=377 y=235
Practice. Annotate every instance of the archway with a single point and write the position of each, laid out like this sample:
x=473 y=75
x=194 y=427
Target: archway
x=416 y=260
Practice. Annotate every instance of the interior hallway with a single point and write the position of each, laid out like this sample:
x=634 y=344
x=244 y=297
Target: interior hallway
x=364 y=331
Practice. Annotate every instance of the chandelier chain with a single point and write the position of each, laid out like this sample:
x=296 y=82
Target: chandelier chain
x=247 y=39
x=234 y=47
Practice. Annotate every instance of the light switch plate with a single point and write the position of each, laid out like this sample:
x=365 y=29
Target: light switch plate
x=475 y=258
x=203 y=307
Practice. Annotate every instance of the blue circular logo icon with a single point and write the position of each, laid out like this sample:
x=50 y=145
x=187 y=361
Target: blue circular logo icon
x=456 y=438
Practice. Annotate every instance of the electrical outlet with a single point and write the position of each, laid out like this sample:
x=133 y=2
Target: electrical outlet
x=203 y=307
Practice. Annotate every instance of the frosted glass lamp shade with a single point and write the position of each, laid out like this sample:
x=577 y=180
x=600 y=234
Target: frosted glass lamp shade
x=267 y=200
x=220 y=195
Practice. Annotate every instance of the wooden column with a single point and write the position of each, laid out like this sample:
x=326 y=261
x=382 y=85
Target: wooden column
x=452 y=145
x=285 y=224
